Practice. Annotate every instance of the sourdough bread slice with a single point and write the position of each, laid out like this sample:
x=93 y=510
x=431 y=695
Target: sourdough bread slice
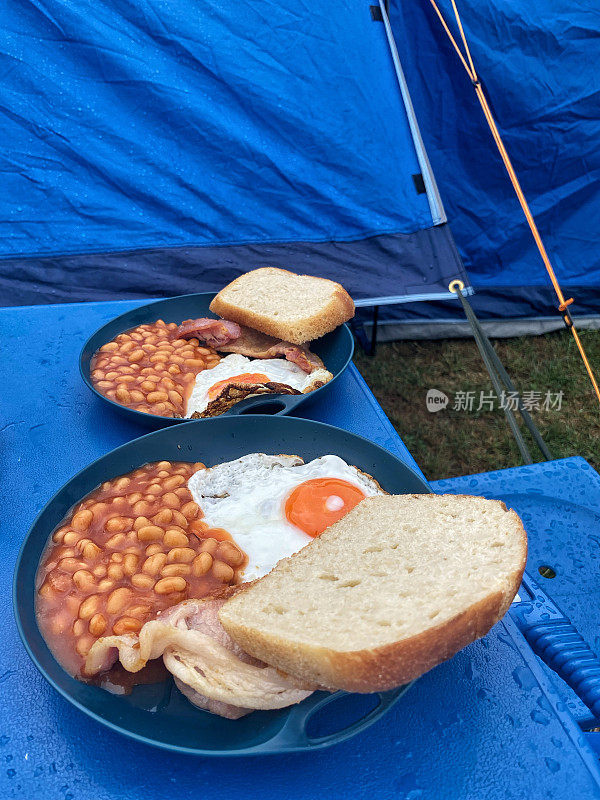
x=295 y=308
x=397 y=586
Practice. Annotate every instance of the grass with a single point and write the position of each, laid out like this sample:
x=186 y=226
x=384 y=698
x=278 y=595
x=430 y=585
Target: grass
x=452 y=442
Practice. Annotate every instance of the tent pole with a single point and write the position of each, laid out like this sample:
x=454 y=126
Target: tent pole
x=434 y=199
x=501 y=380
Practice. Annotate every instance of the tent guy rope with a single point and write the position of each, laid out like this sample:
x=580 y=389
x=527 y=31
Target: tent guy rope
x=467 y=62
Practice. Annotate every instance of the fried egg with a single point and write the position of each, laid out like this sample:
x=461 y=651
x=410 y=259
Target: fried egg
x=240 y=369
x=273 y=506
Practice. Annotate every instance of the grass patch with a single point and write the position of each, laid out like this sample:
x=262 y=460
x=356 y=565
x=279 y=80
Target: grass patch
x=452 y=442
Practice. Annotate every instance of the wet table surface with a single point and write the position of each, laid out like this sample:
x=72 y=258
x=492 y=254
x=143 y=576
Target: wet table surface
x=489 y=723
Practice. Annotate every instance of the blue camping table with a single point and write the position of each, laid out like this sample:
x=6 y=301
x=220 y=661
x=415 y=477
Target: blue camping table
x=491 y=723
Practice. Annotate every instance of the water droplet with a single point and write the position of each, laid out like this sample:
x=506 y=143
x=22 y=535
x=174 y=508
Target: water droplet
x=506 y=639
x=540 y=718
x=544 y=704
x=552 y=765
x=524 y=678
x=11 y=773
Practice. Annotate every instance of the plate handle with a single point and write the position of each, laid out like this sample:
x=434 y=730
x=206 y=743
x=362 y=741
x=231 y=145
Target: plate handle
x=274 y=404
x=294 y=736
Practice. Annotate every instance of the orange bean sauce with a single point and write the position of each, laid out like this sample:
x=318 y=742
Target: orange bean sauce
x=149 y=369
x=131 y=548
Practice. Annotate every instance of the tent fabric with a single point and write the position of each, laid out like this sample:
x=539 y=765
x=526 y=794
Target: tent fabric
x=156 y=147
x=428 y=260
x=198 y=139
x=135 y=125
x=537 y=61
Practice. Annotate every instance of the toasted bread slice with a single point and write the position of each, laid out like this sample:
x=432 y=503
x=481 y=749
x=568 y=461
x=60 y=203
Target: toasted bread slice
x=295 y=308
x=397 y=586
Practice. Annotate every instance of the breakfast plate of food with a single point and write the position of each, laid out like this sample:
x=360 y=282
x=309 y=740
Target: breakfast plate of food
x=263 y=344
x=218 y=589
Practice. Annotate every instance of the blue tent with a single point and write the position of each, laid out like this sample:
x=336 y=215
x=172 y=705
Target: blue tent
x=537 y=60
x=157 y=148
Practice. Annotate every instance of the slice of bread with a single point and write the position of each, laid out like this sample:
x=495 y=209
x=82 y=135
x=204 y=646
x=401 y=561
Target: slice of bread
x=295 y=308
x=397 y=586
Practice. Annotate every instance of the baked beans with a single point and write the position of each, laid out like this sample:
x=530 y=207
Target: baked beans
x=149 y=369
x=134 y=546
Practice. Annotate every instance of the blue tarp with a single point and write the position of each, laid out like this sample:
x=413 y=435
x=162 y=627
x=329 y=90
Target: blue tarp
x=159 y=147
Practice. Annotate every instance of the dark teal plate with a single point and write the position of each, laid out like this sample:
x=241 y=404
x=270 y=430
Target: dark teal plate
x=335 y=350
x=157 y=713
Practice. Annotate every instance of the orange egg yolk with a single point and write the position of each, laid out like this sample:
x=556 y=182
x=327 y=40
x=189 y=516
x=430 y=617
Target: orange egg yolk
x=316 y=504
x=246 y=377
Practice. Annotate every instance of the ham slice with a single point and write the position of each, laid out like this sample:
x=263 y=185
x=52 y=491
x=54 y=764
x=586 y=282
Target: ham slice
x=229 y=337
x=213 y=672
x=297 y=354
x=213 y=332
x=248 y=342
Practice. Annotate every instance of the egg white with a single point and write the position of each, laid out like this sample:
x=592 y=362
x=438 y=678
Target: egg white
x=277 y=370
x=247 y=498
